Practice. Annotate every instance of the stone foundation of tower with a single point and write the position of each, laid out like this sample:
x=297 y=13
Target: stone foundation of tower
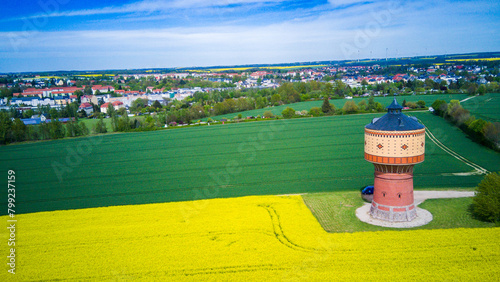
x=393 y=196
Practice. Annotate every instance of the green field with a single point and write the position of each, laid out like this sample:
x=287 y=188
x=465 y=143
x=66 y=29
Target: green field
x=90 y=123
x=339 y=103
x=336 y=212
x=485 y=107
x=259 y=158
x=457 y=141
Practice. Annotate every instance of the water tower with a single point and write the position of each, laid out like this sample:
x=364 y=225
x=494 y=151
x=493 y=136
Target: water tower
x=394 y=143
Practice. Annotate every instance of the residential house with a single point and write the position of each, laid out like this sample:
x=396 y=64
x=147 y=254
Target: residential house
x=102 y=89
x=104 y=108
x=116 y=105
x=86 y=98
x=87 y=108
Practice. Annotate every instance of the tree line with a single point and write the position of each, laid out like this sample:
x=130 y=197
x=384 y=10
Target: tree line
x=483 y=132
x=14 y=130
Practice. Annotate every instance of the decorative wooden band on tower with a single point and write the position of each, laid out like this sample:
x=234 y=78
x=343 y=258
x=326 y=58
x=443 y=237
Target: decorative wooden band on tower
x=394 y=143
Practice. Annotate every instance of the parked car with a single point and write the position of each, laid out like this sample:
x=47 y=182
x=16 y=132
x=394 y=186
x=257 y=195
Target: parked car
x=368 y=190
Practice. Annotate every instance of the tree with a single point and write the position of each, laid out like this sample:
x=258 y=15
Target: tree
x=100 y=127
x=5 y=128
x=71 y=130
x=87 y=90
x=111 y=110
x=486 y=202
x=56 y=129
x=28 y=114
x=350 y=107
x=371 y=103
x=79 y=95
x=472 y=89
x=53 y=113
x=362 y=105
x=411 y=105
x=492 y=132
x=288 y=112
x=315 y=111
x=260 y=102
x=84 y=131
x=439 y=107
x=421 y=104
x=81 y=114
x=122 y=111
x=138 y=104
x=379 y=107
x=481 y=90
x=328 y=91
x=326 y=107
x=275 y=99
x=404 y=103
x=19 y=130
x=156 y=105
x=268 y=114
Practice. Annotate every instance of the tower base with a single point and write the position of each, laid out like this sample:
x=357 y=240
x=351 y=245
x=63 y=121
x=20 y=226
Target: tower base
x=388 y=213
x=423 y=217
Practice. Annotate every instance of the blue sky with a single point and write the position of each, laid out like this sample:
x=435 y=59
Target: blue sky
x=47 y=35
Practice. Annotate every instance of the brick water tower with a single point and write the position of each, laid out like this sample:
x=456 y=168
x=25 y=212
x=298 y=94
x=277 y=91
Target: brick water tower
x=394 y=143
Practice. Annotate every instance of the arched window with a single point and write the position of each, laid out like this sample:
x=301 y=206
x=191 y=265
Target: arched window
x=383 y=194
x=399 y=195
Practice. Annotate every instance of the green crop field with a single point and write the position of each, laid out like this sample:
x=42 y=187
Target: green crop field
x=339 y=103
x=485 y=107
x=455 y=139
x=90 y=123
x=259 y=158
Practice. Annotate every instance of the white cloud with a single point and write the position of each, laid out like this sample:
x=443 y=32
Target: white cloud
x=344 y=2
x=368 y=29
x=150 y=6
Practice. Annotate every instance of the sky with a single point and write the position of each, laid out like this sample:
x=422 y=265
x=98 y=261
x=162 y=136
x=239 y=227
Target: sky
x=51 y=35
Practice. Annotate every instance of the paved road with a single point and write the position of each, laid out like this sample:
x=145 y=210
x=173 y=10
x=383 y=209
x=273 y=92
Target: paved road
x=421 y=196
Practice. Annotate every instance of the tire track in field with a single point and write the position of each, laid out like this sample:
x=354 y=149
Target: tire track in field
x=478 y=170
x=280 y=235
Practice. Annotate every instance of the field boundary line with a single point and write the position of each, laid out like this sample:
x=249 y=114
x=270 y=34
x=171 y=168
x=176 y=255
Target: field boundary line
x=478 y=169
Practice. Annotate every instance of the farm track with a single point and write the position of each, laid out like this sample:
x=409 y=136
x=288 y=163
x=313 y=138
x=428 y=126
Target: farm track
x=477 y=168
x=280 y=235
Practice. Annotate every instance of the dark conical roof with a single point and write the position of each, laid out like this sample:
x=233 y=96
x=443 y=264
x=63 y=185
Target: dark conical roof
x=394 y=105
x=395 y=120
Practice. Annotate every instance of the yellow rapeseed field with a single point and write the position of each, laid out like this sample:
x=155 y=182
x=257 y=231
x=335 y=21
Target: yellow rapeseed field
x=254 y=238
x=473 y=60
x=292 y=67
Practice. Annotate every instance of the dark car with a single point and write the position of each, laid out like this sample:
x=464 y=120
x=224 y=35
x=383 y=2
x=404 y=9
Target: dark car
x=368 y=190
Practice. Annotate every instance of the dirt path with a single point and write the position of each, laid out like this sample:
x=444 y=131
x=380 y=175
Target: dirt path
x=477 y=168
x=421 y=196
x=467 y=99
